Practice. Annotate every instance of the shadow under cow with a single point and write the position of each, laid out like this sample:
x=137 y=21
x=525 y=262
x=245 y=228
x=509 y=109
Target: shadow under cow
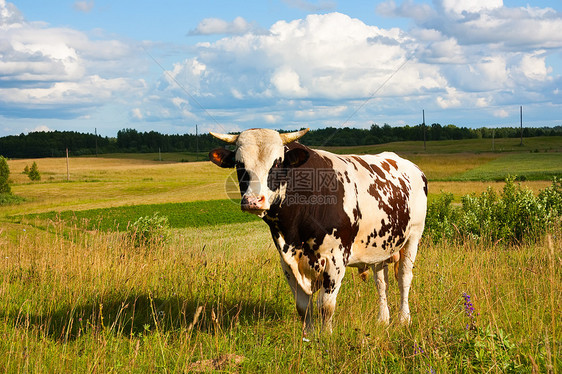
x=140 y=314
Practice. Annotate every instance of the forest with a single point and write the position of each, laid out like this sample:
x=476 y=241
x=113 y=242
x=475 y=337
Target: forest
x=55 y=143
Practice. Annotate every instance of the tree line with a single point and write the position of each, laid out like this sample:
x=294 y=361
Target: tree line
x=55 y=143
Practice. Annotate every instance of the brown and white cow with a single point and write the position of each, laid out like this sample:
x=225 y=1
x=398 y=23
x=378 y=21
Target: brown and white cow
x=327 y=212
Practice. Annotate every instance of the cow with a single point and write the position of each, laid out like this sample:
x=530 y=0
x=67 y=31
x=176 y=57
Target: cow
x=327 y=212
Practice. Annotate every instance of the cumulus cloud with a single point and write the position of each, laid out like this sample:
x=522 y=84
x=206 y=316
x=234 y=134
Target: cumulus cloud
x=318 y=70
x=41 y=128
x=211 y=26
x=483 y=22
x=45 y=70
x=501 y=113
x=300 y=69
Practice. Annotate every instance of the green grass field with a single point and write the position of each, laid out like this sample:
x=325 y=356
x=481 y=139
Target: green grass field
x=77 y=296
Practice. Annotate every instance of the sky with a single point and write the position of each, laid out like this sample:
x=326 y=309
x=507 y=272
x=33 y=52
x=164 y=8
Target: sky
x=169 y=66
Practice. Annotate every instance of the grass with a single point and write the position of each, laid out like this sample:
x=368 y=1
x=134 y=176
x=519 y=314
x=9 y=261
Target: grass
x=527 y=166
x=95 y=303
x=101 y=183
x=541 y=143
x=180 y=215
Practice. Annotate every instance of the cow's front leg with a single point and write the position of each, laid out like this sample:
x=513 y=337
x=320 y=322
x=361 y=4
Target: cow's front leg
x=381 y=278
x=303 y=299
x=305 y=309
x=327 y=297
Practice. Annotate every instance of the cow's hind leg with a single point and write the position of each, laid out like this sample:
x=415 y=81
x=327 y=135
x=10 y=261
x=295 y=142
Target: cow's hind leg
x=405 y=275
x=381 y=279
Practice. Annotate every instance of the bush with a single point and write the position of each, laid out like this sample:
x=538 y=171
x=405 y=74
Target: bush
x=34 y=174
x=551 y=197
x=149 y=230
x=515 y=215
x=439 y=222
x=4 y=176
x=10 y=199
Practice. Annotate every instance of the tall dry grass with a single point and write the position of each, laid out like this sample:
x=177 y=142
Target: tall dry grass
x=215 y=299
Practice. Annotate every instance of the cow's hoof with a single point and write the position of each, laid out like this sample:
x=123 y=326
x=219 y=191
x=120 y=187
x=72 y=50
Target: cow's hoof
x=404 y=318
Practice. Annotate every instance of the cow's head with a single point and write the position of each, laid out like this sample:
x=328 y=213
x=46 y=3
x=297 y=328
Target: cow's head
x=260 y=158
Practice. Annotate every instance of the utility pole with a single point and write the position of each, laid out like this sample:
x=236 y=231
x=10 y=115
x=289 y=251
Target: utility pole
x=521 y=121
x=423 y=115
x=67 y=169
x=196 y=143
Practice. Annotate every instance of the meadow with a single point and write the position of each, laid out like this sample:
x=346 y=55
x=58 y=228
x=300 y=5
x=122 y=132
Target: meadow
x=77 y=296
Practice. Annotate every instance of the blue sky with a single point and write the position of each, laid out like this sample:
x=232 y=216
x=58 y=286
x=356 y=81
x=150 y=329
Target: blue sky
x=284 y=64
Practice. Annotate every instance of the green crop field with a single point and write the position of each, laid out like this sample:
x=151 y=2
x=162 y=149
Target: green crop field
x=76 y=295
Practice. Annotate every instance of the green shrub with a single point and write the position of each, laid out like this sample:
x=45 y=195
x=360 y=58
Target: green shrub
x=514 y=215
x=10 y=199
x=4 y=176
x=551 y=197
x=439 y=222
x=34 y=174
x=149 y=230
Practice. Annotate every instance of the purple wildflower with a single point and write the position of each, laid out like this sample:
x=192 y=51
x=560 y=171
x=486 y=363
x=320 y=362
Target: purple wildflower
x=469 y=310
x=468 y=307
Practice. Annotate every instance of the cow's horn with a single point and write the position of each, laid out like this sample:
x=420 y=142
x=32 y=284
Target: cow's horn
x=231 y=139
x=292 y=136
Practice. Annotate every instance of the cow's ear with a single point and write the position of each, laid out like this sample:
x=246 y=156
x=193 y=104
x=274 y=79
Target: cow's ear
x=295 y=157
x=222 y=157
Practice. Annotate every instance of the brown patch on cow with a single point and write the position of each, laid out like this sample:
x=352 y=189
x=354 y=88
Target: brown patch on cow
x=374 y=169
x=397 y=209
x=424 y=184
x=299 y=223
x=386 y=166
x=392 y=162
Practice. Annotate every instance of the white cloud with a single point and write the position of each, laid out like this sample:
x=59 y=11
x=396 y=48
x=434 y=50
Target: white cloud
x=501 y=113
x=58 y=71
x=473 y=6
x=451 y=100
x=287 y=82
x=309 y=6
x=533 y=66
x=484 y=21
x=271 y=118
x=85 y=6
x=137 y=114
x=41 y=128
x=318 y=70
x=297 y=69
x=210 y=26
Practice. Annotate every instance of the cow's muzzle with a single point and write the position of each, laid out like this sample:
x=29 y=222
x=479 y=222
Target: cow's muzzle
x=254 y=204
